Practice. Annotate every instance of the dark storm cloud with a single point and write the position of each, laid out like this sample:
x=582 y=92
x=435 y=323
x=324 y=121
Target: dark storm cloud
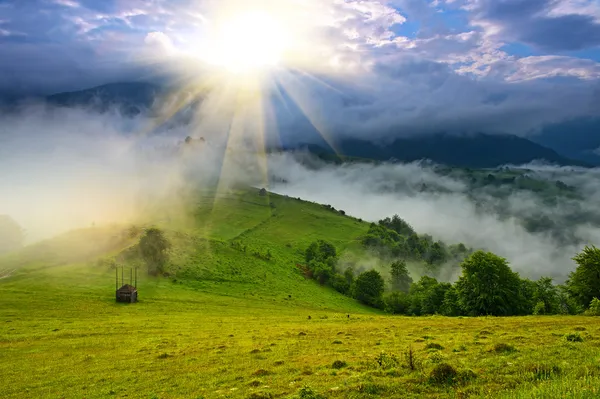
x=531 y=22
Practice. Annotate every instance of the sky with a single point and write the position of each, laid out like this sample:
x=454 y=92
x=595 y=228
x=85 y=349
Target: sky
x=505 y=65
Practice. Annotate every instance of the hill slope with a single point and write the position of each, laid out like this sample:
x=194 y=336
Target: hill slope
x=240 y=244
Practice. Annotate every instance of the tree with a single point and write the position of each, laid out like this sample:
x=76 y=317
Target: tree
x=400 y=279
x=594 y=309
x=398 y=224
x=397 y=303
x=368 y=288
x=546 y=294
x=340 y=284
x=154 y=248
x=584 y=282
x=488 y=286
x=12 y=236
x=321 y=251
x=322 y=272
x=450 y=305
x=427 y=296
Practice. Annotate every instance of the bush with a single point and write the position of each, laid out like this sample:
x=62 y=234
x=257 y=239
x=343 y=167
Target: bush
x=539 y=309
x=307 y=392
x=443 y=373
x=574 y=337
x=503 y=348
x=435 y=346
x=339 y=364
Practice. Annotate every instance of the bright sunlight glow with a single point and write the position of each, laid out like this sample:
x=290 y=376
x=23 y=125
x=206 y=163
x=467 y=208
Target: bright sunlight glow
x=250 y=42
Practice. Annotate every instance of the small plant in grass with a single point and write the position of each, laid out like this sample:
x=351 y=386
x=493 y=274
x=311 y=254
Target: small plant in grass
x=574 y=337
x=436 y=357
x=503 y=348
x=435 y=346
x=339 y=364
x=386 y=361
x=260 y=395
x=307 y=392
x=370 y=388
x=411 y=359
x=443 y=374
x=542 y=371
x=261 y=373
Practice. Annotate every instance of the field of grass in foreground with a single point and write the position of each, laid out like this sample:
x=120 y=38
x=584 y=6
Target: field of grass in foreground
x=61 y=340
x=228 y=324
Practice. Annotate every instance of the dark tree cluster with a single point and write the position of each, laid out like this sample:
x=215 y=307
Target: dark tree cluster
x=321 y=259
x=486 y=287
x=399 y=238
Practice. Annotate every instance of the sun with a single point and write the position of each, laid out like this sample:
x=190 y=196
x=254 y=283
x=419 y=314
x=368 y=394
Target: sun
x=248 y=43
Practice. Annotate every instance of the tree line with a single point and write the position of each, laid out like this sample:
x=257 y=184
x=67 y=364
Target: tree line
x=396 y=237
x=487 y=286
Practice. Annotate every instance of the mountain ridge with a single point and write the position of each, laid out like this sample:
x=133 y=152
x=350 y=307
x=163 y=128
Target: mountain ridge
x=480 y=150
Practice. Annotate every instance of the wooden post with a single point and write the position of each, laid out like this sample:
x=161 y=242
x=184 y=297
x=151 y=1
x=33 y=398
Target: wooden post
x=130 y=276
x=116 y=277
x=122 y=274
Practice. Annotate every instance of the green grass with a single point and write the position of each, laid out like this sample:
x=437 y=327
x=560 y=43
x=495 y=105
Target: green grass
x=228 y=324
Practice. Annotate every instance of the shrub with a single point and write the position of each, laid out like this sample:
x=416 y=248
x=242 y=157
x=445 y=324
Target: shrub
x=574 y=337
x=504 y=348
x=433 y=345
x=539 y=308
x=443 y=374
x=307 y=392
x=339 y=364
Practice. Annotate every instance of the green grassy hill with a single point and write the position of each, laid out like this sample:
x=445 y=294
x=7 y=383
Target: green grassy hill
x=219 y=245
x=228 y=322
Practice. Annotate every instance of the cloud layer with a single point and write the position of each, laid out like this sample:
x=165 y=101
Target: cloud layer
x=493 y=65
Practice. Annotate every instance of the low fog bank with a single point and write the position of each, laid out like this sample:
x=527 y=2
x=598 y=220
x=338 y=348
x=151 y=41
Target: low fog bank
x=450 y=213
x=62 y=169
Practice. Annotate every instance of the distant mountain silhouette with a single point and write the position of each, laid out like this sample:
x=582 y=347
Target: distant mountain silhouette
x=577 y=138
x=131 y=98
x=555 y=144
x=473 y=151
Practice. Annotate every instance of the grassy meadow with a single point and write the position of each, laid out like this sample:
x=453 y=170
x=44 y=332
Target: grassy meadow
x=231 y=322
